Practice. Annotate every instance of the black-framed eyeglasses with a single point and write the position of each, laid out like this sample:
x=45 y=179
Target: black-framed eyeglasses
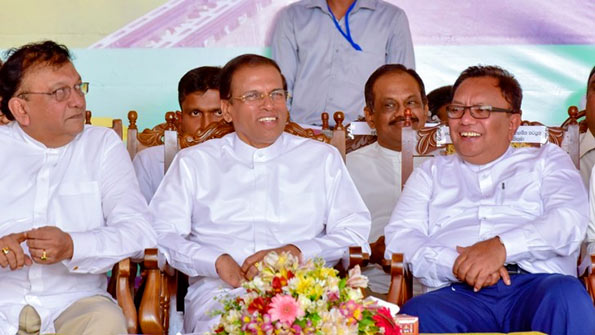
x=63 y=93
x=477 y=111
x=256 y=97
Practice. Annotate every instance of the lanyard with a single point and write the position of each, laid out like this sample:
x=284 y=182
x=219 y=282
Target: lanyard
x=348 y=34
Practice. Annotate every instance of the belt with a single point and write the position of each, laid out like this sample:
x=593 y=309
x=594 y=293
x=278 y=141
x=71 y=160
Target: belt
x=515 y=269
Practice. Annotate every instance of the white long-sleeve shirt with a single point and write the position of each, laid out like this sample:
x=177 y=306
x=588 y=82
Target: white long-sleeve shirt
x=225 y=196
x=149 y=167
x=532 y=198
x=88 y=189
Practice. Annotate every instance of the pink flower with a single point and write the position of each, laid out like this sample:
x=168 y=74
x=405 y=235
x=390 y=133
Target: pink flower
x=285 y=309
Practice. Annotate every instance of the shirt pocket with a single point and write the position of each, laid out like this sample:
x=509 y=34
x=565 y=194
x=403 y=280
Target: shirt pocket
x=521 y=192
x=78 y=206
x=361 y=64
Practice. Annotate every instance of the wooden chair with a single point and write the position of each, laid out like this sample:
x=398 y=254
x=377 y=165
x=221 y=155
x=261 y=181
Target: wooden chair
x=116 y=124
x=162 y=292
x=426 y=142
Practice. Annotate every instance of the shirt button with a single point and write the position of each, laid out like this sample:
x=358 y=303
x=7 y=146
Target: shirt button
x=75 y=268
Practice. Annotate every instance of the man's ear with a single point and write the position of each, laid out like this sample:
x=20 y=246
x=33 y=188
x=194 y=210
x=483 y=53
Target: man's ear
x=369 y=114
x=226 y=110
x=514 y=123
x=19 y=111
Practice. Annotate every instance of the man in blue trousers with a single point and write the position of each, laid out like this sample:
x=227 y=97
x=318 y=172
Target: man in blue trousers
x=494 y=231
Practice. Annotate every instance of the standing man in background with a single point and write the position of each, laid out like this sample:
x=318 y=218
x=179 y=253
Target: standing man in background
x=327 y=49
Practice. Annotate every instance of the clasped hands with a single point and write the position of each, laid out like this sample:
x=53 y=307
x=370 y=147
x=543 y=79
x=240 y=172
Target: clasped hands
x=481 y=264
x=233 y=274
x=47 y=245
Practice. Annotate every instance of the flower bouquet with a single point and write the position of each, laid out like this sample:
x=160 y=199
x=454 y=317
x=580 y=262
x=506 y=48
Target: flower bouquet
x=292 y=298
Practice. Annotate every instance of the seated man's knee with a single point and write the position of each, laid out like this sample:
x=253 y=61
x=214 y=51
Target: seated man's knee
x=93 y=315
x=557 y=287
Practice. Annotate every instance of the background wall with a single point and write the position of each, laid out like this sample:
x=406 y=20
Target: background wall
x=134 y=52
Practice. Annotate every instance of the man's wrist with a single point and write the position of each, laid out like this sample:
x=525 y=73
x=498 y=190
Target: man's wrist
x=218 y=261
x=502 y=246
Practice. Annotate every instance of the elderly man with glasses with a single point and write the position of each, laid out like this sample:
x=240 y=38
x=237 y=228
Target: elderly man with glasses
x=69 y=202
x=494 y=230
x=225 y=204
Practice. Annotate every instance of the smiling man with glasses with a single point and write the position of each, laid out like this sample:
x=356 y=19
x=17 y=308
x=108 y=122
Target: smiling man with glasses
x=70 y=206
x=226 y=203
x=494 y=231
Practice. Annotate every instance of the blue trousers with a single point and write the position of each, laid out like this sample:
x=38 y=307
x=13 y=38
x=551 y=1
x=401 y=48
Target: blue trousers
x=549 y=303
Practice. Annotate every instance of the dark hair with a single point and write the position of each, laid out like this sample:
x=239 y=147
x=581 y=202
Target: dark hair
x=238 y=63
x=20 y=60
x=391 y=68
x=588 y=80
x=200 y=79
x=438 y=98
x=509 y=86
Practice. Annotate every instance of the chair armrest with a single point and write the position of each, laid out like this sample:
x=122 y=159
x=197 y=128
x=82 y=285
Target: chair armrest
x=401 y=281
x=357 y=257
x=158 y=296
x=123 y=292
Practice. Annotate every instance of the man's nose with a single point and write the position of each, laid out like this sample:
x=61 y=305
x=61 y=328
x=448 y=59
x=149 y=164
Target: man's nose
x=76 y=99
x=466 y=118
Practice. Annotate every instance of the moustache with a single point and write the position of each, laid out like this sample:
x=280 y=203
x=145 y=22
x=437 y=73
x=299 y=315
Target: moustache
x=401 y=119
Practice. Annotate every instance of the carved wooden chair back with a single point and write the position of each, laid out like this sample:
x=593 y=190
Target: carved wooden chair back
x=427 y=142
x=136 y=141
x=116 y=123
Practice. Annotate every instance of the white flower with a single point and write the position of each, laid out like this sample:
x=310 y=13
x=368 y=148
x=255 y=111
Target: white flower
x=355 y=278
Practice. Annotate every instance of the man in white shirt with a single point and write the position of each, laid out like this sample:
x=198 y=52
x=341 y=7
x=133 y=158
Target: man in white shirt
x=587 y=148
x=495 y=230
x=376 y=168
x=226 y=203
x=70 y=204
x=198 y=95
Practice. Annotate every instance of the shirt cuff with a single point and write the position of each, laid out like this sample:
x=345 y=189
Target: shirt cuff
x=309 y=248
x=206 y=263
x=515 y=245
x=446 y=258
x=84 y=245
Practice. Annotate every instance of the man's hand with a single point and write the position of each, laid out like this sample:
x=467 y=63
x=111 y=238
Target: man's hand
x=49 y=245
x=229 y=271
x=493 y=279
x=480 y=263
x=11 y=253
x=250 y=270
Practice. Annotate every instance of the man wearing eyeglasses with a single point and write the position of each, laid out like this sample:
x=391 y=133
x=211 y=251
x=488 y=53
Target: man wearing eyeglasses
x=226 y=203
x=494 y=230
x=70 y=205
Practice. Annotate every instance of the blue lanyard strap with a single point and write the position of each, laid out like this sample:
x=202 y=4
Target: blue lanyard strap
x=348 y=34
